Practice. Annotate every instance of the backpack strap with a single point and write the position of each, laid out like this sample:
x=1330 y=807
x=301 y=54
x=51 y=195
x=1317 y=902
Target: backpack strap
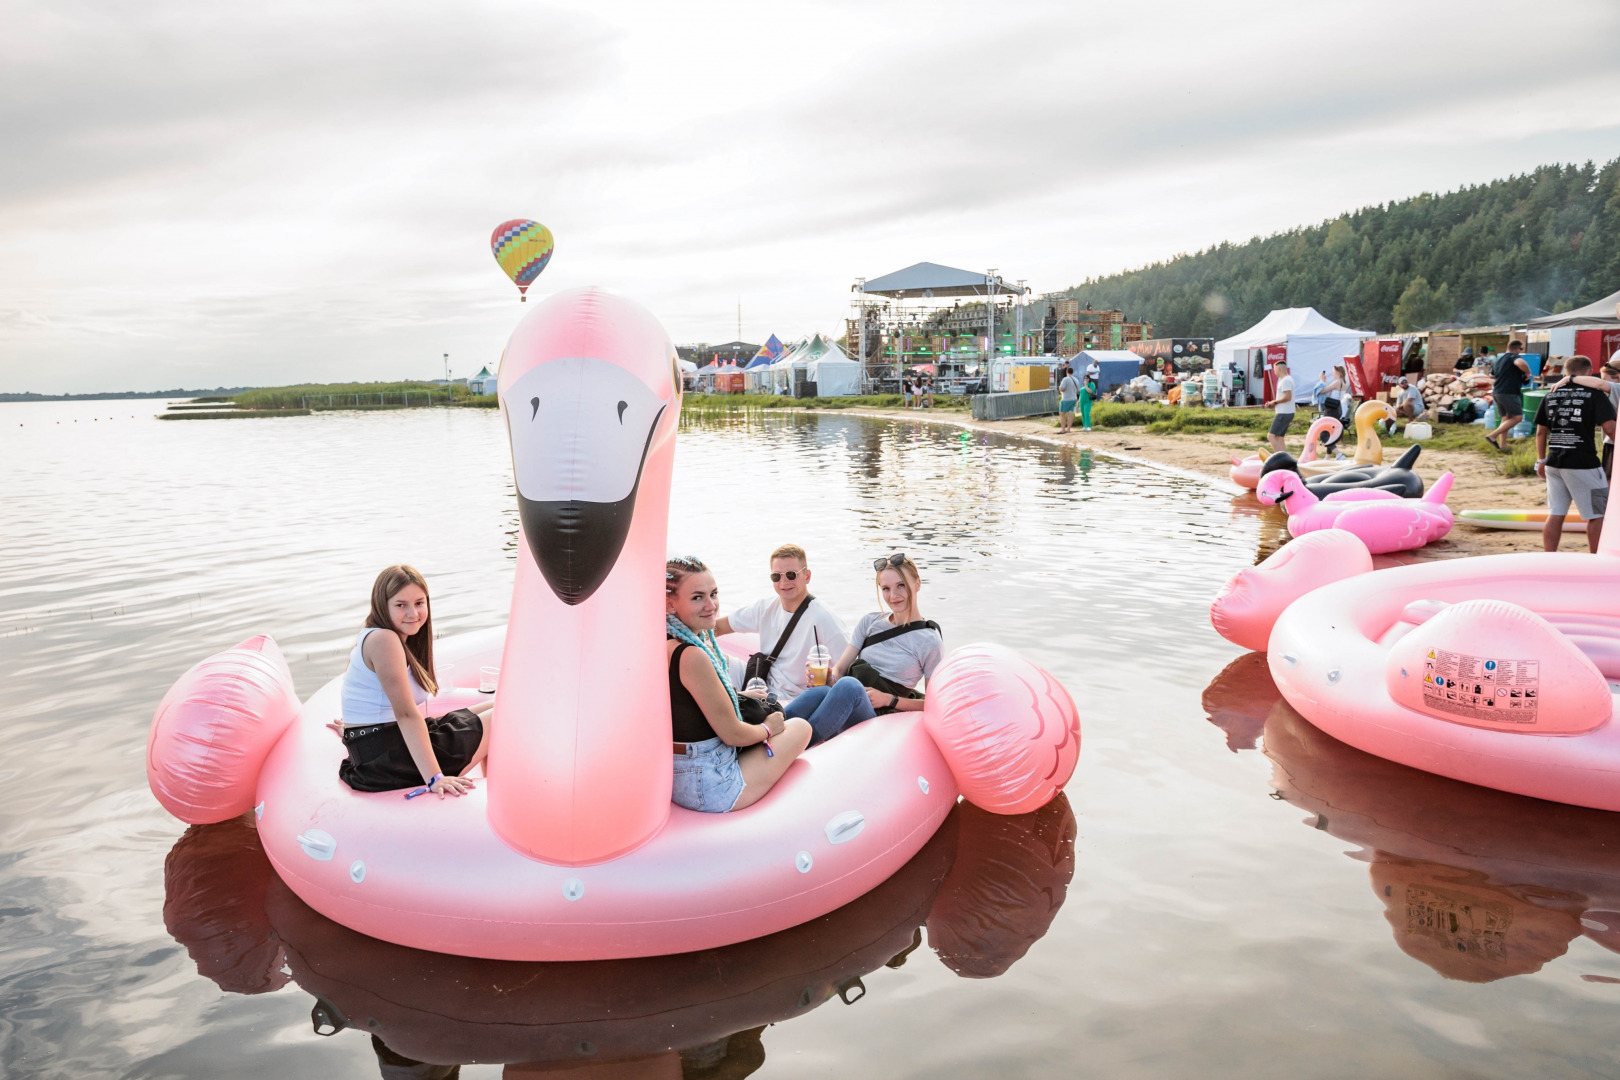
x=782 y=641
x=895 y=631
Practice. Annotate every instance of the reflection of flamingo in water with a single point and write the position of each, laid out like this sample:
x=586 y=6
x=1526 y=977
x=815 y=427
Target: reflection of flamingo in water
x=1245 y=472
x=987 y=887
x=1478 y=884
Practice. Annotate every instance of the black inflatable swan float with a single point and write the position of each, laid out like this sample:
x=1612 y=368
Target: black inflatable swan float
x=1398 y=477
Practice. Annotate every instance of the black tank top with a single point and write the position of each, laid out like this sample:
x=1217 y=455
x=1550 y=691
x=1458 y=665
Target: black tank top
x=685 y=714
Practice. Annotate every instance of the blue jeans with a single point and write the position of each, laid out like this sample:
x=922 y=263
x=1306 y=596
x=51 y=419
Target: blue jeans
x=831 y=709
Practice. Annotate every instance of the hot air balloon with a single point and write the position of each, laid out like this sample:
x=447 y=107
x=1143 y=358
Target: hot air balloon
x=523 y=248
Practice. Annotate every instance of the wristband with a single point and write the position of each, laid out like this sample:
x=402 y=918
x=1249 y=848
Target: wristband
x=424 y=790
x=766 y=741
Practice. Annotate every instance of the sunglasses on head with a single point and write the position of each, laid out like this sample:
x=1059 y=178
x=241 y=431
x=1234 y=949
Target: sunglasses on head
x=791 y=575
x=897 y=559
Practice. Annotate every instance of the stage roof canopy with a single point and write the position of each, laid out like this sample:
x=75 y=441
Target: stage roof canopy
x=932 y=281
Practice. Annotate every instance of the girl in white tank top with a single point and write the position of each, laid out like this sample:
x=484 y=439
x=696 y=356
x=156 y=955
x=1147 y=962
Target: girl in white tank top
x=391 y=745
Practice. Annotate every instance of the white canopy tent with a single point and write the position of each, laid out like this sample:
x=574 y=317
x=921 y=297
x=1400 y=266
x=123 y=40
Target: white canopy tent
x=834 y=373
x=1315 y=343
x=816 y=360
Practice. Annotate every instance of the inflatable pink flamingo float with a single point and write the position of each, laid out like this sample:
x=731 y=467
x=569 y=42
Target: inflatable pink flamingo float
x=1498 y=670
x=1382 y=520
x=1245 y=472
x=572 y=849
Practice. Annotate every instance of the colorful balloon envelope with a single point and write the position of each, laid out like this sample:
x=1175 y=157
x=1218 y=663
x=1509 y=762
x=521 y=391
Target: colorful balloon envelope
x=523 y=248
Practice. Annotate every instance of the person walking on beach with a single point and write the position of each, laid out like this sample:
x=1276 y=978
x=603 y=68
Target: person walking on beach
x=905 y=392
x=1284 y=401
x=1566 y=453
x=1511 y=374
x=1068 y=398
x=1088 y=394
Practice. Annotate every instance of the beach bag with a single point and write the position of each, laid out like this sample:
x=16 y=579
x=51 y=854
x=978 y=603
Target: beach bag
x=759 y=665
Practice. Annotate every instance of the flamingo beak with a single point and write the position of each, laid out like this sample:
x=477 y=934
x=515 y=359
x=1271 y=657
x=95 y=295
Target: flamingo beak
x=580 y=431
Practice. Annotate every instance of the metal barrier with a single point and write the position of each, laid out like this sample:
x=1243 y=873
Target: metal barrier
x=1007 y=406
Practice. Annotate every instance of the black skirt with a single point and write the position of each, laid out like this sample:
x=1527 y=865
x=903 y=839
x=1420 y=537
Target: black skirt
x=379 y=760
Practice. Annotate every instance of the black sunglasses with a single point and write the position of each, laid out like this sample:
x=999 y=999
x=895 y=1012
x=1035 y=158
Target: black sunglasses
x=897 y=559
x=791 y=575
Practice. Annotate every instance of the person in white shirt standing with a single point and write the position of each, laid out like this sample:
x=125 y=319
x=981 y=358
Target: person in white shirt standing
x=1284 y=401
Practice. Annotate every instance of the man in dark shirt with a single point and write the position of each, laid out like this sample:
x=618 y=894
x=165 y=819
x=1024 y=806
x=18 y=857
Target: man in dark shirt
x=1511 y=374
x=1566 y=453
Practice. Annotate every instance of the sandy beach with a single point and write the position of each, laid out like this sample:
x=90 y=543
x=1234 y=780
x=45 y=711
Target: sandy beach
x=1478 y=483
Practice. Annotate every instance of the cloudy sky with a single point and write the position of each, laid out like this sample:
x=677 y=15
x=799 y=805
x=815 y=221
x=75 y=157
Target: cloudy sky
x=202 y=193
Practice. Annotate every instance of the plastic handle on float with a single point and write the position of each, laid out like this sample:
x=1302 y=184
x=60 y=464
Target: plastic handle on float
x=845 y=827
x=318 y=845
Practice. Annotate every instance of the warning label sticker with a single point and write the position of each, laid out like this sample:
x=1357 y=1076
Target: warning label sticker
x=1486 y=688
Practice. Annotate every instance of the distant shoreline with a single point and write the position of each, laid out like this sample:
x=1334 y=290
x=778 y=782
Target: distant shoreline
x=129 y=394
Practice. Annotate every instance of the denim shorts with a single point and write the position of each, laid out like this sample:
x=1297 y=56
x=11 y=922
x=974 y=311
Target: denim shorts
x=708 y=779
x=1281 y=423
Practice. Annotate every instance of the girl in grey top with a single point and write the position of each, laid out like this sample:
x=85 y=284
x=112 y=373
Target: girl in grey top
x=901 y=660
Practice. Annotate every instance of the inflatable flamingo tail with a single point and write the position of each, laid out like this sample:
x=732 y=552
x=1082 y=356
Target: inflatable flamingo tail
x=1007 y=729
x=1249 y=605
x=1441 y=488
x=214 y=728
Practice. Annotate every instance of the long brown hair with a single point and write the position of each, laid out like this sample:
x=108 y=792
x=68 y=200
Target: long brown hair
x=419 y=646
x=909 y=574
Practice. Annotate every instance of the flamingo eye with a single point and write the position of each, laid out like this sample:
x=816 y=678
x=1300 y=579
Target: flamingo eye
x=622 y=406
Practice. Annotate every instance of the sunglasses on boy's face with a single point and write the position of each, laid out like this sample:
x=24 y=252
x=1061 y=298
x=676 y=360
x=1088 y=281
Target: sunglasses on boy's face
x=791 y=575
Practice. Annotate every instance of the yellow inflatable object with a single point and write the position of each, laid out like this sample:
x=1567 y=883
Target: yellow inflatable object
x=1369 y=451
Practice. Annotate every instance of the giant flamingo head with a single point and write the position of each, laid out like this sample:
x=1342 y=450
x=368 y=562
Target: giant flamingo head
x=586 y=386
x=1284 y=488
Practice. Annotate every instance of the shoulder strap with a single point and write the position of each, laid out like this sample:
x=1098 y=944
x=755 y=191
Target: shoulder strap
x=782 y=641
x=675 y=657
x=896 y=631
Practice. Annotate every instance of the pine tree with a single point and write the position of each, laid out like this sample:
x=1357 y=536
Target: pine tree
x=1493 y=253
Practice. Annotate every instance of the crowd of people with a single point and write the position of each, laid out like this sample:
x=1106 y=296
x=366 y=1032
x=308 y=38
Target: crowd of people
x=734 y=734
x=917 y=390
x=1578 y=406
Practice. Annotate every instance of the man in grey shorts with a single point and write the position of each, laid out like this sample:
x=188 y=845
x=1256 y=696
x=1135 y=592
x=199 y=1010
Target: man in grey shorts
x=1567 y=456
x=1284 y=401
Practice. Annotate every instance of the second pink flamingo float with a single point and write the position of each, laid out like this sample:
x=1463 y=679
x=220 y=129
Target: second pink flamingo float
x=1384 y=521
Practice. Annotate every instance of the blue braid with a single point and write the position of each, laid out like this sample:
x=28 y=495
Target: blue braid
x=711 y=648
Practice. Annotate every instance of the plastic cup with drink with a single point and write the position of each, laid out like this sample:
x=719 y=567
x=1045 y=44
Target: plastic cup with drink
x=820 y=661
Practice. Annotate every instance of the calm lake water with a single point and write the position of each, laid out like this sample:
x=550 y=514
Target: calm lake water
x=1198 y=908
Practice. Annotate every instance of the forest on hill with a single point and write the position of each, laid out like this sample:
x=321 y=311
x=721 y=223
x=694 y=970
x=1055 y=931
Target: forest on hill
x=1495 y=253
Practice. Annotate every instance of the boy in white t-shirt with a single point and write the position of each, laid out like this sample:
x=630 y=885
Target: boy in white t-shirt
x=1284 y=401
x=790 y=578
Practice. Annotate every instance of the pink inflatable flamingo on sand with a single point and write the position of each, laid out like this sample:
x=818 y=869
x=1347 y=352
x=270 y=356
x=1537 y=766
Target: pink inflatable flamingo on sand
x=1384 y=521
x=1245 y=472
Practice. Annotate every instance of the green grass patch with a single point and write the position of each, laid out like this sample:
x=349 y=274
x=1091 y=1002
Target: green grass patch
x=742 y=403
x=352 y=396
x=232 y=414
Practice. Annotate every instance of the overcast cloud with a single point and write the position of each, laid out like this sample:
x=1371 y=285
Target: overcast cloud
x=211 y=193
